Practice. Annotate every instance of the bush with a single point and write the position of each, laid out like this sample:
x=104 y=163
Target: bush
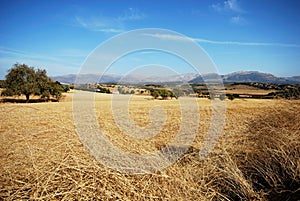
x=222 y=97
x=211 y=96
x=155 y=94
x=230 y=97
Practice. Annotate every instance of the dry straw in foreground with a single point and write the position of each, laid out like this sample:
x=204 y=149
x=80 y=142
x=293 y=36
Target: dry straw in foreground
x=257 y=158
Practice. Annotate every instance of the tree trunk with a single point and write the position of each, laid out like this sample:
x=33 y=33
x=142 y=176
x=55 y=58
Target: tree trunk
x=27 y=97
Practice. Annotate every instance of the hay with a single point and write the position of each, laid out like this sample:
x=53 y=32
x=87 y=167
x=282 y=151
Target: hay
x=257 y=157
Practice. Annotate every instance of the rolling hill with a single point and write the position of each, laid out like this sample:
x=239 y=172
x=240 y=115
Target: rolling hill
x=242 y=76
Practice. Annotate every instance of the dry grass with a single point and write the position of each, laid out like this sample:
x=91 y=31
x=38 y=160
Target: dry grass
x=247 y=90
x=257 y=157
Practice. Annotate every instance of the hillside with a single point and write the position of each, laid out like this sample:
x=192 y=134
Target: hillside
x=242 y=76
x=250 y=76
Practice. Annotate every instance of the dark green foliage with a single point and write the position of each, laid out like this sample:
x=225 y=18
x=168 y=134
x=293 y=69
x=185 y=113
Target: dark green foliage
x=164 y=93
x=22 y=79
x=155 y=94
x=66 y=87
x=2 y=83
x=103 y=90
x=230 y=97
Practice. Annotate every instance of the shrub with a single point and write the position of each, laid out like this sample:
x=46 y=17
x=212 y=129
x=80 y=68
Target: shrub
x=222 y=97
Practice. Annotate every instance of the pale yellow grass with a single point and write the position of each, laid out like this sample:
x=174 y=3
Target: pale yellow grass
x=42 y=157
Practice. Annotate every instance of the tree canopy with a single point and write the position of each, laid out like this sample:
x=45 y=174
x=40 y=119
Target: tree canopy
x=22 y=79
x=163 y=93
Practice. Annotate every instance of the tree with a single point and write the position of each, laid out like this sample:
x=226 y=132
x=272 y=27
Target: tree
x=230 y=97
x=2 y=83
x=211 y=96
x=222 y=97
x=66 y=87
x=22 y=79
x=177 y=92
x=155 y=94
x=43 y=83
x=56 y=90
x=164 y=93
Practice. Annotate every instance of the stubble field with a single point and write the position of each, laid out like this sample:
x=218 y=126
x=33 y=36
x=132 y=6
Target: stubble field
x=257 y=157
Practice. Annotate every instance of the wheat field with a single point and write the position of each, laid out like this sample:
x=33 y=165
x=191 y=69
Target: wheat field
x=256 y=158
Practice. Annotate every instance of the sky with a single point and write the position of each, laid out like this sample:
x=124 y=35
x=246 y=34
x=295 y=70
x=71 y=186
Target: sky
x=237 y=35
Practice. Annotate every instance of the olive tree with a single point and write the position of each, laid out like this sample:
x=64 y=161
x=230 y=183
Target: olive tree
x=22 y=79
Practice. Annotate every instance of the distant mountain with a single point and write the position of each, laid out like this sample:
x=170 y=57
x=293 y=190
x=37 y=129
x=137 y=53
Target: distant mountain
x=242 y=76
x=294 y=78
x=132 y=78
x=86 y=78
x=250 y=76
x=210 y=77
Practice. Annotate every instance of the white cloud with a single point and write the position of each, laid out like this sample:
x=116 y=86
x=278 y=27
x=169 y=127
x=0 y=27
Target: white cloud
x=217 y=7
x=100 y=24
x=168 y=37
x=110 y=30
x=246 y=43
x=215 y=42
x=67 y=62
x=228 y=5
x=233 y=7
x=238 y=20
x=109 y=24
x=132 y=14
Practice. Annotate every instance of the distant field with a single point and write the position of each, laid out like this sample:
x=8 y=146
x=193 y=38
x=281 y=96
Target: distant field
x=256 y=158
x=247 y=90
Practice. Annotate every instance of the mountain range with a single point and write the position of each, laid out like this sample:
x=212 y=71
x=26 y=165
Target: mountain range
x=241 y=76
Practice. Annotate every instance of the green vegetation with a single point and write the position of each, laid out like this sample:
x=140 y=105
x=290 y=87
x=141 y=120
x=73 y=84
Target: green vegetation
x=230 y=96
x=177 y=92
x=103 y=90
x=155 y=94
x=2 y=83
x=163 y=93
x=22 y=79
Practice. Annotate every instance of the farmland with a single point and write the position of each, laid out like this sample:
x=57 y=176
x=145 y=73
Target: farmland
x=256 y=158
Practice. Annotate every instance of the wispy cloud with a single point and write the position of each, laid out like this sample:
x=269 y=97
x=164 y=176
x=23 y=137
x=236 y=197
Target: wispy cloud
x=231 y=7
x=64 y=63
x=228 y=5
x=70 y=53
x=216 y=42
x=99 y=24
x=109 y=24
x=238 y=20
x=168 y=37
x=246 y=43
x=132 y=14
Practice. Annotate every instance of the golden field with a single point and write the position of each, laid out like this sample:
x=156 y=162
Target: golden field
x=257 y=157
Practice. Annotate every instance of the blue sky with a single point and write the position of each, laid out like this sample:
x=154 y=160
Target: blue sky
x=238 y=35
